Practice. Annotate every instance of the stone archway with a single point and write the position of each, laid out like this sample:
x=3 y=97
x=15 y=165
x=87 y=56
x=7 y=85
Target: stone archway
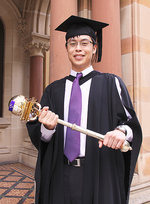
x=20 y=23
x=9 y=126
x=34 y=26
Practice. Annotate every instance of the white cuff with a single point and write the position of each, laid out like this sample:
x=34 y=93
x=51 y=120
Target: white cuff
x=46 y=135
x=129 y=136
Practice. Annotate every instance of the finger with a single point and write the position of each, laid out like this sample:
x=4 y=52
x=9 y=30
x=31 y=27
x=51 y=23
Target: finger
x=56 y=118
x=45 y=108
x=106 y=139
x=115 y=144
x=110 y=142
x=43 y=114
x=110 y=139
x=100 y=143
x=50 y=120
x=118 y=140
x=120 y=137
x=119 y=144
x=54 y=121
x=48 y=116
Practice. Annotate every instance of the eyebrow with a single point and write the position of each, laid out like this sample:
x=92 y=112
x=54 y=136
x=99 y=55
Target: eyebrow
x=81 y=39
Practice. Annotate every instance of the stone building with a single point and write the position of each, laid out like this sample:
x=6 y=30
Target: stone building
x=30 y=60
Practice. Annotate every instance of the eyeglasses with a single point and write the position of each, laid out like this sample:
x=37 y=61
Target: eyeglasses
x=83 y=43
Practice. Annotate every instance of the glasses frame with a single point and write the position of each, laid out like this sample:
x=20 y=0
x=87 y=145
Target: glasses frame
x=80 y=42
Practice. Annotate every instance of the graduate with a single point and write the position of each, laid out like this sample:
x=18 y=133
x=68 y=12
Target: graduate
x=73 y=168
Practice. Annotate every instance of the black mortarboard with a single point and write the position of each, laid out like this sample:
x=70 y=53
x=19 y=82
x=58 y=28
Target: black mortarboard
x=76 y=25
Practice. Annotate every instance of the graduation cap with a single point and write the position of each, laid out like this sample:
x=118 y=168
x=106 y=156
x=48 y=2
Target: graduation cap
x=76 y=26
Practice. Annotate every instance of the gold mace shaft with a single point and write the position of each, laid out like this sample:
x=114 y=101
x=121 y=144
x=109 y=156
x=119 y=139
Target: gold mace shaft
x=29 y=106
x=125 y=147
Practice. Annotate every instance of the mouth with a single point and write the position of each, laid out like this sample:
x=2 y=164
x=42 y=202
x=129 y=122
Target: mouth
x=78 y=56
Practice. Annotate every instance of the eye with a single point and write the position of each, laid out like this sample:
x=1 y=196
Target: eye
x=84 y=43
x=72 y=44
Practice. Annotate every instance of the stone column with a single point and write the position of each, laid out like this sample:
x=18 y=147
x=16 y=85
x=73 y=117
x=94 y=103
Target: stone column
x=59 y=63
x=36 y=45
x=109 y=12
x=84 y=8
x=36 y=77
x=135 y=32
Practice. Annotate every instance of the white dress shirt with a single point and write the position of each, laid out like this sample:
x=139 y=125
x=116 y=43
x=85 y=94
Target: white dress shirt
x=85 y=89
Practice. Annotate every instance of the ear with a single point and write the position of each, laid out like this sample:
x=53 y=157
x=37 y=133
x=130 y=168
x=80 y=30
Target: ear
x=94 y=49
x=66 y=48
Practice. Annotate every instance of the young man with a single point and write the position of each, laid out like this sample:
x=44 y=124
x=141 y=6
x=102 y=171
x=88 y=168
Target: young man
x=98 y=173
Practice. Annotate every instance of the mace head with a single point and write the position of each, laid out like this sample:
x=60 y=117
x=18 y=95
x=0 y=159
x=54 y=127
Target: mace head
x=16 y=104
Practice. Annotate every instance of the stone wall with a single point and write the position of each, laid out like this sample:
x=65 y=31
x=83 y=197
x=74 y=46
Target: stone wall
x=135 y=48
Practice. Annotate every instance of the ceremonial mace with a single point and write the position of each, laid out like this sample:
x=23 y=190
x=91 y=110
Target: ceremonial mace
x=29 y=109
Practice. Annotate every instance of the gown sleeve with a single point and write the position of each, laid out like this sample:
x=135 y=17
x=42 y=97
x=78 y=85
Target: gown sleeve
x=134 y=124
x=34 y=127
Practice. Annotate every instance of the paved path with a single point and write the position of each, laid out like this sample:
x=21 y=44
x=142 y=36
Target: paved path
x=16 y=184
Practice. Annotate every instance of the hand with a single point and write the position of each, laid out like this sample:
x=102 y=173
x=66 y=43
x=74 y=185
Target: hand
x=113 y=139
x=48 y=118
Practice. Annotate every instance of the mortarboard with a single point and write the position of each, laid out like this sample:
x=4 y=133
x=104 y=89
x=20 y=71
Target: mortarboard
x=75 y=26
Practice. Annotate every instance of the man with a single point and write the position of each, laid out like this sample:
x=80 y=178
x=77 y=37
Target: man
x=99 y=173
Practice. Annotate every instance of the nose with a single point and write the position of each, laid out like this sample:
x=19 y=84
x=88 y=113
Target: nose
x=78 y=47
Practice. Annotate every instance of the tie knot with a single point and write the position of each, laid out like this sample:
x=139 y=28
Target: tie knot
x=79 y=75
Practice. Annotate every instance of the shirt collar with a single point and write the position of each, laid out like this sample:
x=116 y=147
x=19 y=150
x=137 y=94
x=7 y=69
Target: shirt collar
x=84 y=72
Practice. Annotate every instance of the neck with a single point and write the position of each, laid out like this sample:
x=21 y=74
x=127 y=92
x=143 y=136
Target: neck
x=84 y=72
x=80 y=69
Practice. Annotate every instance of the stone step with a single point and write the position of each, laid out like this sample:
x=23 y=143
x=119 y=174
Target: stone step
x=28 y=153
x=140 y=194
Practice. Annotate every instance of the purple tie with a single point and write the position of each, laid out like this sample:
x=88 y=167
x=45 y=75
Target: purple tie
x=72 y=146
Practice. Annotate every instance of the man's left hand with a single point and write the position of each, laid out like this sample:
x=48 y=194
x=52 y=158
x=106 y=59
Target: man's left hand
x=113 y=139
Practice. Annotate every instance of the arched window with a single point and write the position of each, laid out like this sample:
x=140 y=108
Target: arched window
x=1 y=66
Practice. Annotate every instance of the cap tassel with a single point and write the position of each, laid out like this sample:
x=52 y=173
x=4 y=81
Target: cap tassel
x=99 y=42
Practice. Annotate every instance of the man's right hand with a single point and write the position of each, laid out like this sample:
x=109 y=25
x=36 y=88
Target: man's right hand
x=48 y=118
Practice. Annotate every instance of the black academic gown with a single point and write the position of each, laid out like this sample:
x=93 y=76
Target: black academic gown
x=107 y=173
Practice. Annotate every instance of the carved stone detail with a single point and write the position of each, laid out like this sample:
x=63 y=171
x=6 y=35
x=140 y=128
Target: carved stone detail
x=22 y=25
x=36 y=44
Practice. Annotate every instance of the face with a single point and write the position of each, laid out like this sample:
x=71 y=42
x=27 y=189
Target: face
x=80 y=56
